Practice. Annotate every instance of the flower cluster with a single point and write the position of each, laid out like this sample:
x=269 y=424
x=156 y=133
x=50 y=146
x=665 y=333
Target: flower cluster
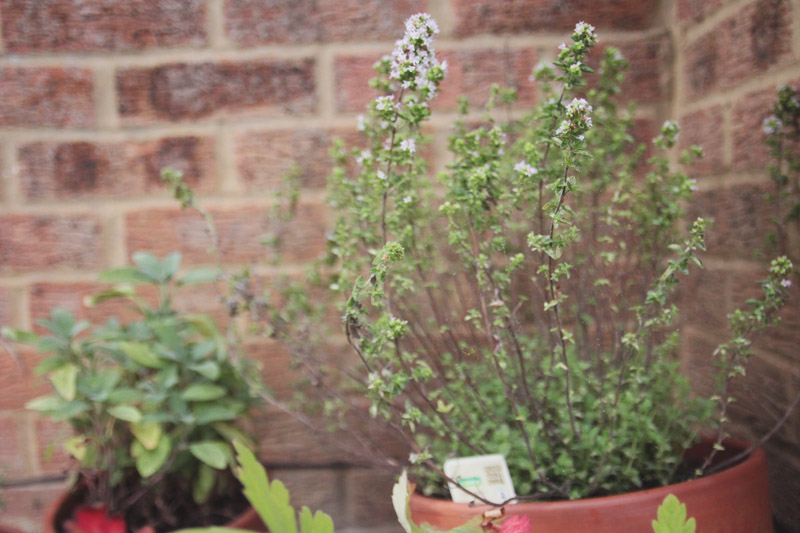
x=525 y=169
x=577 y=122
x=414 y=62
x=584 y=33
x=772 y=125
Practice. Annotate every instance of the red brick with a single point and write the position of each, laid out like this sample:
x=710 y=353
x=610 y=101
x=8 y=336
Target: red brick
x=521 y=16
x=189 y=91
x=12 y=449
x=738 y=48
x=18 y=384
x=704 y=128
x=749 y=150
x=351 y=78
x=43 y=242
x=25 y=507
x=702 y=298
x=696 y=9
x=285 y=441
x=741 y=219
x=264 y=158
x=46 y=96
x=368 y=504
x=784 y=482
x=5 y=306
x=75 y=170
x=240 y=231
x=252 y=22
x=51 y=436
x=101 y=25
x=472 y=72
x=647 y=58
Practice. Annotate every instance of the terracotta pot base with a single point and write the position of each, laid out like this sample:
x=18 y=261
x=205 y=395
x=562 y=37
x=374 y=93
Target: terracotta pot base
x=735 y=500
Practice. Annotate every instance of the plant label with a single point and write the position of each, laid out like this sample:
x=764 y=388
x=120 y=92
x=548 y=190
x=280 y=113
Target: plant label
x=484 y=475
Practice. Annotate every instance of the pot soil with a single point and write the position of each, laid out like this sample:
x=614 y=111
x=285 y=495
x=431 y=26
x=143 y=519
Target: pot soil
x=65 y=505
x=733 y=500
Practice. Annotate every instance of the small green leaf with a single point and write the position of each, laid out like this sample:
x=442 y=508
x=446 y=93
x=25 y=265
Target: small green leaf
x=124 y=275
x=672 y=517
x=19 y=335
x=149 y=266
x=206 y=414
x=127 y=413
x=149 y=434
x=202 y=392
x=76 y=447
x=213 y=453
x=142 y=354
x=171 y=264
x=64 y=380
x=208 y=369
x=150 y=461
x=203 y=484
x=119 y=291
x=199 y=275
x=45 y=403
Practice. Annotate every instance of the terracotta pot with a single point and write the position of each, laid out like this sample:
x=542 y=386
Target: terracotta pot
x=735 y=500
x=61 y=510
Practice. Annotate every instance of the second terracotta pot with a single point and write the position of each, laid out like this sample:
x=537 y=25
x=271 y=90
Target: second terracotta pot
x=735 y=500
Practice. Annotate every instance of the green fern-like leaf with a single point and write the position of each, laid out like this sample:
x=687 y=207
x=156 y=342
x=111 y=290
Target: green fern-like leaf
x=672 y=517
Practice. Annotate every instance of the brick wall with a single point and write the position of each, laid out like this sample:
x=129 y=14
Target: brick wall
x=97 y=95
x=729 y=59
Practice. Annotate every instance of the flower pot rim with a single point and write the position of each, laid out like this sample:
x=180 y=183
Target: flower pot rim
x=753 y=462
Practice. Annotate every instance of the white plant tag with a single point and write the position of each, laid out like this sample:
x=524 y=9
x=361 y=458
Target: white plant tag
x=485 y=475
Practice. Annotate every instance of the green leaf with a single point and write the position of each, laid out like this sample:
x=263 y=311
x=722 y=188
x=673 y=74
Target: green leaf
x=50 y=364
x=319 y=522
x=149 y=266
x=232 y=433
x=99 y=386
x=76 y=447
x=270 y=500
x=149 y=434
x=170 y=265
x=203 y=484
x=202 y=392
x=64 y=380
x=127 y=413
x=206 y=414
x=124 y=275
x=672 y=517
x=118 y=291
x=199 y=275
x=45 y=403
x=209 y=369
x=213 y=453
x=69 y=410
x=142 y=354
x=150 y=461
x=125 y=395
x=19 y=335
